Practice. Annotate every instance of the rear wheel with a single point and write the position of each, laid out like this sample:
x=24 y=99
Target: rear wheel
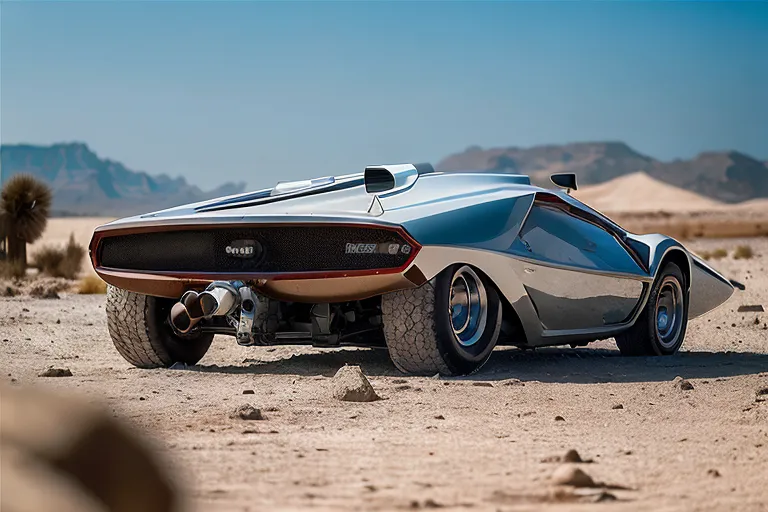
x=449 y=325
x=139 y=328
x=660 y=328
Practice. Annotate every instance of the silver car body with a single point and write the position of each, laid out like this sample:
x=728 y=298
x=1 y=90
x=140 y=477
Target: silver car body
x=569 y=273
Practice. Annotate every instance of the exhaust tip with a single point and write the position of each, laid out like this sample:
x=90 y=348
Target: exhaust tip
x=180 y=318
x=191 y=301
x=208 y=303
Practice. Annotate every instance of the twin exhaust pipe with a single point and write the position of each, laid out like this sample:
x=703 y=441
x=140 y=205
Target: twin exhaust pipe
x=221 y=298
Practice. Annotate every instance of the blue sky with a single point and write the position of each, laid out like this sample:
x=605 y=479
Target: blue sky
x=261 y=92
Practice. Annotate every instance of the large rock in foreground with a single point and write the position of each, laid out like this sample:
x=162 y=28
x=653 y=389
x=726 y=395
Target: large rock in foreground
x=350 y=385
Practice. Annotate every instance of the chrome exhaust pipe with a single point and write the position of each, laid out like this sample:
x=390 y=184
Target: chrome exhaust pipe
x=219 y=299
x=186 y=313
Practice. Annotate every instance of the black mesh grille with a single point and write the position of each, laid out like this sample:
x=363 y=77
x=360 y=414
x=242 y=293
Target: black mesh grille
x=279 y=249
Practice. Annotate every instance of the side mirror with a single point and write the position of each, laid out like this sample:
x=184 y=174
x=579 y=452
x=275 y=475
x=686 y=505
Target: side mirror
x=566 y=181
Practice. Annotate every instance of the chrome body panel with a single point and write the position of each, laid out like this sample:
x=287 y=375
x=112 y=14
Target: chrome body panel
x=709 y=289
x=569 y=273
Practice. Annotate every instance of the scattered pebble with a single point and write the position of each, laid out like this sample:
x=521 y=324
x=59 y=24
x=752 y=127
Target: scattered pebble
x=247 y=412
x=713 y=473
x=617 y=406
x=682 y=384
x=55 y=372
x=351 y=385
x=483 y=384
x=248 y=392
x=559 y=418
x=751 y=308
x=439 y=417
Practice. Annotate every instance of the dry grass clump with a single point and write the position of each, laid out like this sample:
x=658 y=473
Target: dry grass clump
x=91 y=284
x=743 y=252
x=12 y=269
x=64 y=262
x=717 y=254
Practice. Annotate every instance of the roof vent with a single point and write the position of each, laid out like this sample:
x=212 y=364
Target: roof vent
x=392 y=178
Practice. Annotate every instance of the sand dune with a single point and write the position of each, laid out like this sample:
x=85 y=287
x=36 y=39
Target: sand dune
x=638 y=192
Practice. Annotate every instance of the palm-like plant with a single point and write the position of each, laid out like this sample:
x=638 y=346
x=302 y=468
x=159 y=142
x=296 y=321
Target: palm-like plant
x=24 y=205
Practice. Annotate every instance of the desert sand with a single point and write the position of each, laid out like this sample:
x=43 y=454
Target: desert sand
x=475 y=443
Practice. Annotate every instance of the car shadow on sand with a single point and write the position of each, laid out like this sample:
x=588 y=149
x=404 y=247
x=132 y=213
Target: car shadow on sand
x=578 y=366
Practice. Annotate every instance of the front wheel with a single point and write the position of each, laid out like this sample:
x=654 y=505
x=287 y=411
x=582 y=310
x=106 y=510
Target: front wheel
x=449 y=325
x=660 y=328
x=139 y=328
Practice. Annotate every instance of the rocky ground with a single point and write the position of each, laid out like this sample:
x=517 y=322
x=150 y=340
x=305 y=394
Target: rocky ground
x=494 y=441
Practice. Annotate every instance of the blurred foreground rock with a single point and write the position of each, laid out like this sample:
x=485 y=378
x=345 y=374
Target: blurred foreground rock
x=62 y=454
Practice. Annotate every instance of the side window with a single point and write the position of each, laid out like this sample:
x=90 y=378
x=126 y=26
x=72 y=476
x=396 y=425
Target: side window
x=553 y=235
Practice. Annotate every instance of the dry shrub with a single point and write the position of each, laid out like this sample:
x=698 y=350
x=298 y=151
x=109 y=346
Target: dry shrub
x=12 y=269
x=48 y=260
x=56 y=262
x=719 y=253
x=743 y=252
x=91 y=284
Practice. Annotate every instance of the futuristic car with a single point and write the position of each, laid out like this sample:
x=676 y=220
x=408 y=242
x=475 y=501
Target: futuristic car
x=437 y=267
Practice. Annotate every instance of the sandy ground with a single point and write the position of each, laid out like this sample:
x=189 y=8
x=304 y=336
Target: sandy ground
x=471 y=443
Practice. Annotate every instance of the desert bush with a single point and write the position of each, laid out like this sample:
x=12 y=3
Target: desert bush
x=48 y=259
x=56 y=262
x=743 y=252
x=719 y=253
x=12 y=269
x=91 y=284
x=73 y=258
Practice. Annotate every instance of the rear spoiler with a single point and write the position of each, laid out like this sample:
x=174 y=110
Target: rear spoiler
x=391 y=178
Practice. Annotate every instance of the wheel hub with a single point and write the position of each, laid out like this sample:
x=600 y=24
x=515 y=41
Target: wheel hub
x=468 y=307
x=669 y=312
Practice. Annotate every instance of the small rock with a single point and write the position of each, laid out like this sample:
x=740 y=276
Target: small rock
x=571 y=475
x=55 y=372
x=713 y=473
x=350 y=385
x=483 y=384
x=248 y=392
x=617 y=406
x=682 y=384
x=247 y=412
x=58 y=321
x=399 y=381
x=439 y=417
x=751 y=308
x=559 y=418
x=572 y=456
x=513 y=382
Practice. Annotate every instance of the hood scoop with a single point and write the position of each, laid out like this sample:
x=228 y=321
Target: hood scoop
x=380 y=179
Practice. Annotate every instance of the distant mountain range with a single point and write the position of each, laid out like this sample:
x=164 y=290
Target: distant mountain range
x=728 y=176
x=85 y=184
